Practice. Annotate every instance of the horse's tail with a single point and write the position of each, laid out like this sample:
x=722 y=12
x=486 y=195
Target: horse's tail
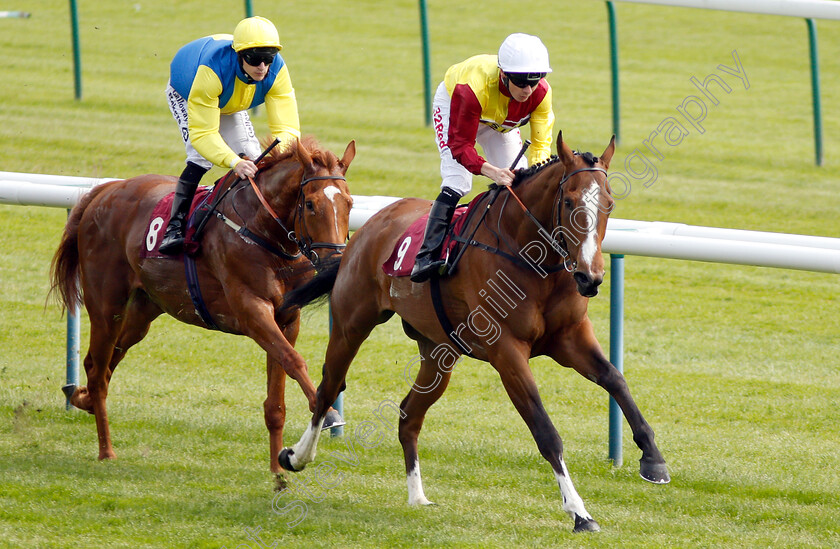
x=64 y=269
x=317 y=289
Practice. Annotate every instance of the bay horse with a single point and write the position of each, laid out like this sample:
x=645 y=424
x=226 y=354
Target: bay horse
x=242 y=276
x=521 y=290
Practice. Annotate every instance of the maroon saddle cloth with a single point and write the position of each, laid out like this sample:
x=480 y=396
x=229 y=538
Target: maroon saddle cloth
x=405 y=251
x=160 y=218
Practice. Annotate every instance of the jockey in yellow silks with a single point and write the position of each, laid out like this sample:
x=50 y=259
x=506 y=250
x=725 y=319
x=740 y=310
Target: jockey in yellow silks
x=485 y=100
x=213 y=82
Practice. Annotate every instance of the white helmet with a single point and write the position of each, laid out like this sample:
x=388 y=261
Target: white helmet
x=523 y=53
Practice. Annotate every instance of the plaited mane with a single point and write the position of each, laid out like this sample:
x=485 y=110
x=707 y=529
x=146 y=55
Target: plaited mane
x=522 y=175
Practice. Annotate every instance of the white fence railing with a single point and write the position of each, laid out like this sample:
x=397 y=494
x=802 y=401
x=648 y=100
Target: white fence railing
x=816 y=9
x=624 y=236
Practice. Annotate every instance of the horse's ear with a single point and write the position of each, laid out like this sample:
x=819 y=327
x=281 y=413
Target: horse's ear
x=607 y=155
x=304 y=156
x=564 y=151
x=349 y=155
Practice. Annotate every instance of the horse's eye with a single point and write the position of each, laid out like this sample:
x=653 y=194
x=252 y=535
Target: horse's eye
x=567 y=202
x=309 y=206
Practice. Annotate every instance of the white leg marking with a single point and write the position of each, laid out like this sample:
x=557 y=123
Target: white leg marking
x=304 y=450
x=331 y=191
x=590 y=244
x=572 y=503
x=415 y=487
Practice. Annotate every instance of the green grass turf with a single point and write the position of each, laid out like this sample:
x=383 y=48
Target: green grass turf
x=735 y=368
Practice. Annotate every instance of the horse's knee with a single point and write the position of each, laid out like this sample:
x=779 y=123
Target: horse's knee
x=611 y=379
x=81 y=399
x=406 y=433
x=275 y=415
x=296 y=367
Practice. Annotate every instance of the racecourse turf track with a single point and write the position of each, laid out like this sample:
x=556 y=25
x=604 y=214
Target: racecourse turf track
x=735 y=368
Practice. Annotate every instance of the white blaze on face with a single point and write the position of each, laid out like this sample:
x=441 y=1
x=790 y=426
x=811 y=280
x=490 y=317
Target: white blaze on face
x=330 y=192
x=590 y=243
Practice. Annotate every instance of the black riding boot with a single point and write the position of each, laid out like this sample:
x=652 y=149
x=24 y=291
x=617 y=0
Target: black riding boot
x=173 y=237
x=425 y=265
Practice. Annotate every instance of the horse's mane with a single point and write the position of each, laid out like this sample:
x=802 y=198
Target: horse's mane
x=522 y=175
x=320 y=156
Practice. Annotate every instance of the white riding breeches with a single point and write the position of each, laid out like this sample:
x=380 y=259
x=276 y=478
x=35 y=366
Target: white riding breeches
x=499 y=148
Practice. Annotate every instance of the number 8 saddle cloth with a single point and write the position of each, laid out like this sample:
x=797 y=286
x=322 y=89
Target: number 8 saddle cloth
x=160 y=218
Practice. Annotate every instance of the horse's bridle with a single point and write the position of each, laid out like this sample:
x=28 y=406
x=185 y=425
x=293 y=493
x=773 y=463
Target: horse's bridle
x=562 y=247
x=558 y=204
x=305 y=244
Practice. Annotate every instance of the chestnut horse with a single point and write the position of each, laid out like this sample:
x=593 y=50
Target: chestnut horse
x=242 y=277
x=521 y=290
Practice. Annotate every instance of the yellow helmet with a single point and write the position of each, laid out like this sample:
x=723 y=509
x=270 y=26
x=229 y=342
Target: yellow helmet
x=255 y=32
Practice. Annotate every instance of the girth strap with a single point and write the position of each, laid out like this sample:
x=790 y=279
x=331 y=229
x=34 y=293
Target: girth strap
x=195 y=293
x=437 y=303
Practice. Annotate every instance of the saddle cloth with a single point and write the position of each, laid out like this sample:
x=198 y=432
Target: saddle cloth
x=160 y=218
x=405 y=251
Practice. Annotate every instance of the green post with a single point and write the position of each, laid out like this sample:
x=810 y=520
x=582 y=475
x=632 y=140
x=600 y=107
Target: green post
x=616 y=116
x=249 y=12
x=77 y=54
x=427 y=71
x=72 y=363
x=815 y=89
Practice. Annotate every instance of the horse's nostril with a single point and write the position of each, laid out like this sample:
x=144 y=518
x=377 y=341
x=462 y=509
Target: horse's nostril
x=582 y=279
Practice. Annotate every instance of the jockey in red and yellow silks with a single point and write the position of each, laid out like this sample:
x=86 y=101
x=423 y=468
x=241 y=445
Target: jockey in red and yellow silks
x=485 y=100
x=213 y=82
x=478 y=96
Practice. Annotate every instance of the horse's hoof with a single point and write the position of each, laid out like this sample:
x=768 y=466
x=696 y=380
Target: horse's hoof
x=585 y=525
x=332 y=419
x=285 y=459
x=656 y=473
x=68 y=389
x=280 y=482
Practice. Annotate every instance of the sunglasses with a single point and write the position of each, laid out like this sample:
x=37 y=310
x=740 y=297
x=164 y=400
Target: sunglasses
x=256 y=56
x=525 y=79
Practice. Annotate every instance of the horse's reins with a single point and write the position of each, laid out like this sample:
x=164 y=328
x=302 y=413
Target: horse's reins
x=221 y=196
x=493 y=197
x=305 y=246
